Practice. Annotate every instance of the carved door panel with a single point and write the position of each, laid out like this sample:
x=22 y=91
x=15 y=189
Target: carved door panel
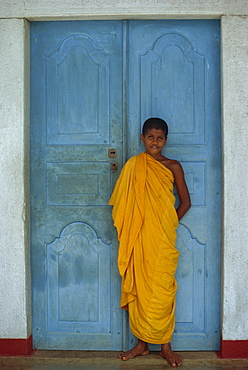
x=175 y=66
x=76 y=110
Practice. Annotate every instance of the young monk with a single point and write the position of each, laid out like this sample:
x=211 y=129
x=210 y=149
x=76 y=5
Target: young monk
x=146 y=222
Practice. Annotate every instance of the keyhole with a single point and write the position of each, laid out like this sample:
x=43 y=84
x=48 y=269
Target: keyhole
x=114 y=167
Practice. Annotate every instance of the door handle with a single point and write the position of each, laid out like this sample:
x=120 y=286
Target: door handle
x=112 y=153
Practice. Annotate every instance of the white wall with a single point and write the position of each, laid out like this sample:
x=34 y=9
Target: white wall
x=121 y=9
x=15 y=313
x=235 y=144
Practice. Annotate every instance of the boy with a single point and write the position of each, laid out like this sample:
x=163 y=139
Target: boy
x=146 y=222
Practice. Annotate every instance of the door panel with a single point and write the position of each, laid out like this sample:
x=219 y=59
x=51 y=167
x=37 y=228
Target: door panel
x=78 y=78
x=175 y=66
x=76 y=119
x=86 y=78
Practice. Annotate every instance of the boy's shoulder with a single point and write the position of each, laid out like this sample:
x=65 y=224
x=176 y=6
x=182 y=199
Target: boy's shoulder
x=130 y=163
x=131 y=160
x=171 y=164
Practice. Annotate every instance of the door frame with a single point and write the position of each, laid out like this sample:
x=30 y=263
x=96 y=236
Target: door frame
x=124 y=154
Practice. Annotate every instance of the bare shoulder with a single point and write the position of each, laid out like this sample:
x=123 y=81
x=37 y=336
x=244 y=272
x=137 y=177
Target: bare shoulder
x=172 y=165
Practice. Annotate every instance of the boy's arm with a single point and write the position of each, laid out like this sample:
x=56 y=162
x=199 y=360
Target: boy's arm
x=182 y=190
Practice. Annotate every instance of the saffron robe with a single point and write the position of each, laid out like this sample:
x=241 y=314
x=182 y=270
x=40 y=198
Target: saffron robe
x=146 y=222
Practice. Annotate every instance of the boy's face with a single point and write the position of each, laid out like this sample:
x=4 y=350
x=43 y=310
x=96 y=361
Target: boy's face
x=154 y=141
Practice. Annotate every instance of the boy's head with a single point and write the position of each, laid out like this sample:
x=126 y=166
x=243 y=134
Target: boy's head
x=157 y=123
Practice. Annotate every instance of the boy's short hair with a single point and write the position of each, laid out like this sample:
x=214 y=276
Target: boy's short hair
x=157 y=123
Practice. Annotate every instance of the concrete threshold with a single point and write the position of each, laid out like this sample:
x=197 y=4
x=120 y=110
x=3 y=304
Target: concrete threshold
x=99 y=360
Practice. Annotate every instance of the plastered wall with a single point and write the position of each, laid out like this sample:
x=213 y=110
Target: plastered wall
x=102 y=9
x=235 y=175
x=15 y=312
x=15 y=291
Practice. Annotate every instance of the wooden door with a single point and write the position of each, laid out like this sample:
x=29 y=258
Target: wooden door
x=76 y=110
x=93 y=83
x=176 y=69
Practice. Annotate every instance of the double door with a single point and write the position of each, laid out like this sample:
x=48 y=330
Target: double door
x=93 y=83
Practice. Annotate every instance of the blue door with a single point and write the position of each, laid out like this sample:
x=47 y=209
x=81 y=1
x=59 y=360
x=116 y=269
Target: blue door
x=76 y=136
x=175 y=66
x=93 y=83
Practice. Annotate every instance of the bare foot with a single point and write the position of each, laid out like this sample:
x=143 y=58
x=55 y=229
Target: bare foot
x=140 y=350
x=173 y=359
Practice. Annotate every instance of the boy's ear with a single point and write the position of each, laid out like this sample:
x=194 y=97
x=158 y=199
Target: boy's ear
x=166 y=140
x=142 y=138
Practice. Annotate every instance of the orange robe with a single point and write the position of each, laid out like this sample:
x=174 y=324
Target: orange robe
x=146 y=222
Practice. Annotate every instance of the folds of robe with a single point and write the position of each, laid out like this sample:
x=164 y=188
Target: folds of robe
x=146 y=222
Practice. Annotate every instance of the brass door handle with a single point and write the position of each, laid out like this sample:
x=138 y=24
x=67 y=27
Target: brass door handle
x=112 y=153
